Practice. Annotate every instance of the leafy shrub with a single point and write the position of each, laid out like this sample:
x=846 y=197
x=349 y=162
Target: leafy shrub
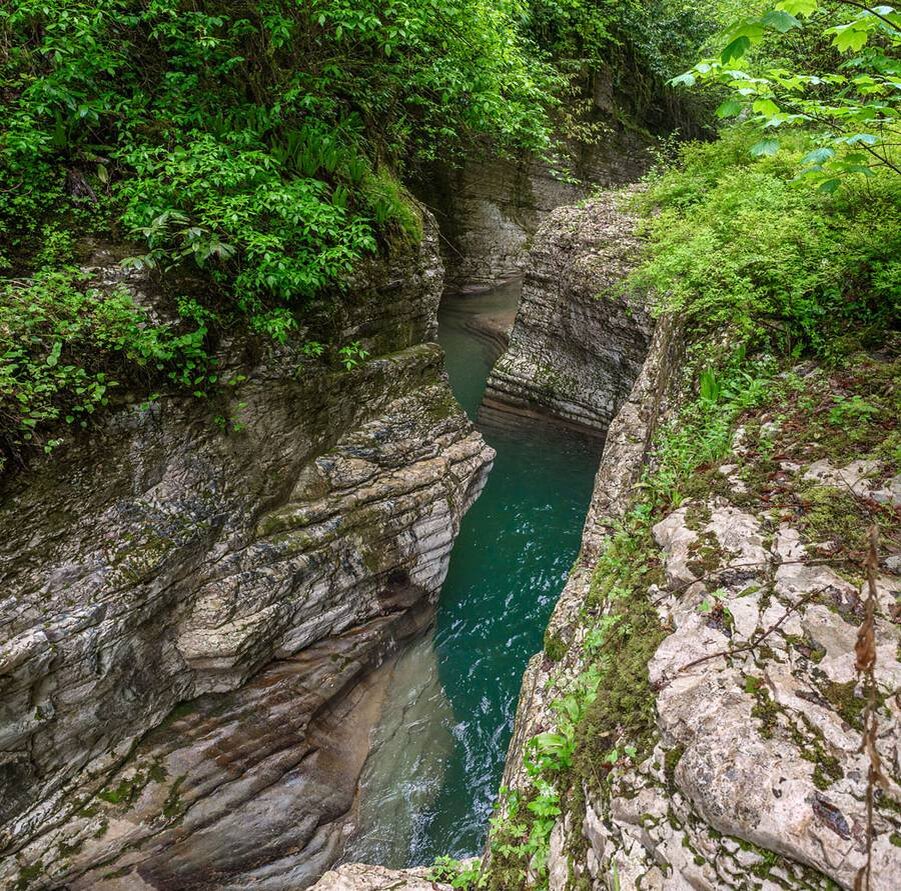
x=64 y=347
x=255 y=139
x=741 y=244
x=257 y=144
x=457 y=874
x=829 y=67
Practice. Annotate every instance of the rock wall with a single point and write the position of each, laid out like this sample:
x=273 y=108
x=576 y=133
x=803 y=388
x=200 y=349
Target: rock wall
x=193 y=621
x=490 y=208
x=622 y=462
x=757 y=777
x=752 y=773
x=578 y=342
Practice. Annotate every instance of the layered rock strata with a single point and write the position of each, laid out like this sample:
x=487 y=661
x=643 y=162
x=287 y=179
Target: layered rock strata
x=193 y=622
x=579 y=339
x=490 y=209
x=626 y=447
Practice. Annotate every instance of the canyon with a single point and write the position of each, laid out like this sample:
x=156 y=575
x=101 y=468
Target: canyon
x=220 y=661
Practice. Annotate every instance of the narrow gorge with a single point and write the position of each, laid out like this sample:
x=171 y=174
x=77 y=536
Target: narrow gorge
x=450 y=444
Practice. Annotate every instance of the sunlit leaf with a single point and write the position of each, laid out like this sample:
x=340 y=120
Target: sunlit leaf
x=798 y=7
x=729 y=108
x=736 y=49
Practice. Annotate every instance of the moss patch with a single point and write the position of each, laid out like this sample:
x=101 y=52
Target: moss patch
x=623 y=710
x=555 y=647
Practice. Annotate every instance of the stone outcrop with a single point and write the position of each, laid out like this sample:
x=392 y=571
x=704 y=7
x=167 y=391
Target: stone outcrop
x=757 y=777
x=625 y=450
x=193 y=621
x=358 y=877
x=578 y=340
x=489 y=209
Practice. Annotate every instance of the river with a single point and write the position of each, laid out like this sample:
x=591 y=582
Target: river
x=439 y=750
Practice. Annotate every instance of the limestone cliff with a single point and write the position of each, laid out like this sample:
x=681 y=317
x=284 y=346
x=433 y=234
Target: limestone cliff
x=489 y=209
x=700 y=665
x=750 y=771
x=192 y=622
x=578 y=341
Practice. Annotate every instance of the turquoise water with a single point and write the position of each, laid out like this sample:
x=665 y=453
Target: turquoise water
x=429 y=786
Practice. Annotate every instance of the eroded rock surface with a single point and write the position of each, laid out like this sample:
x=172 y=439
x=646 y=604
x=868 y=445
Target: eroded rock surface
x=625 y=448
x=192 y=622
x=756 y=777
x=490 y=209
x=357 y=877
x=578 y=341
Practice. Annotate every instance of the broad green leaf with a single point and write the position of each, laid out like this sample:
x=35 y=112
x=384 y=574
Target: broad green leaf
x=684 y=80
x=780 y=20
x=830 y=185
x=736 y=49
x=765 y=107
x=852 y=36
x=729 y=109
x=765 y=148
x=818 y=156
x=798 y=7
x=862 y=139
x=751 y=29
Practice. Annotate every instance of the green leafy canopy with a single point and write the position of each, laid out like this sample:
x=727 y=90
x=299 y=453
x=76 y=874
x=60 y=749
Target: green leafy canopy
x=828 y=67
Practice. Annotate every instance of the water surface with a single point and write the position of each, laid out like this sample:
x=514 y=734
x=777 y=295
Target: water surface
x=439 y=751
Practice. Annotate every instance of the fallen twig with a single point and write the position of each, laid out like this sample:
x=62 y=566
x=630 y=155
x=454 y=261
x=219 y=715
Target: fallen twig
x=756 y=641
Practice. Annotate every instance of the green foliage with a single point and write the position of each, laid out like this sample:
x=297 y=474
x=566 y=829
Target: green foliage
x=740 y=244
x=843 y=85
x=223 y=204
x=254 y=140
x=630 y=48
x=64 y=346
x=851 y=411
x=255 y=147
x=352 y=355
x=466 y=875
x=702 y=434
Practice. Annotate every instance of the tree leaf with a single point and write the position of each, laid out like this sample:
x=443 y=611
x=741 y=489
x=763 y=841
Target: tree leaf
x=780 y=20
x=683 y=80
x=736 y=49
x=765 y=148
x=798 y=7
x=729 y=109
x=852 y=36
x=766 y=107
x=818 y=156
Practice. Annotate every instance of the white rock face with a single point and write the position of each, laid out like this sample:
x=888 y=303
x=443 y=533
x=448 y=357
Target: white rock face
x=193 y=623
x=357 y=877
x=757 y=779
